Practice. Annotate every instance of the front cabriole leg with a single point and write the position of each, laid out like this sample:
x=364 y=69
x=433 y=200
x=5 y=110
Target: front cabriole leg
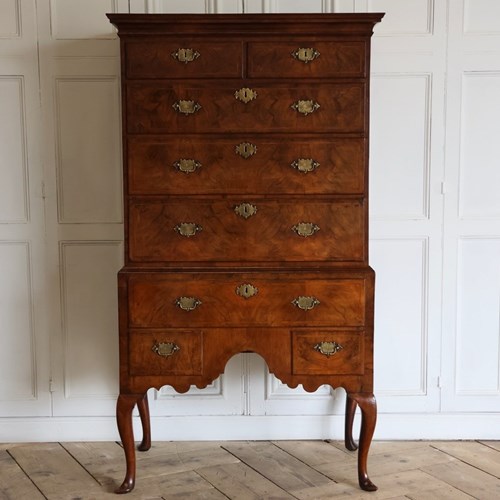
x=368 y=407
x=124 y=407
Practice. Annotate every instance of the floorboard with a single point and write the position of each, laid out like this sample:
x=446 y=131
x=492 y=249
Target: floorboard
x=252 y=470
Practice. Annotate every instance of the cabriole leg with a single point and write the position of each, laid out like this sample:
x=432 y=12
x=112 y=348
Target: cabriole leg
x=368 y=407
x=350 y=410
x=143 y=406
x=124 y=408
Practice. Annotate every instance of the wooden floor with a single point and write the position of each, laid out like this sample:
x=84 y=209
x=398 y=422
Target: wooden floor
x=309 y=470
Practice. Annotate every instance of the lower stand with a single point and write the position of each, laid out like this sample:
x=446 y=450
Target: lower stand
x=126 y=403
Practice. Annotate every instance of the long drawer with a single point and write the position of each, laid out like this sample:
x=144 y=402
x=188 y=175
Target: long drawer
x=165 y=300
x=245 y=164
x=193 y=108
x=246 y=230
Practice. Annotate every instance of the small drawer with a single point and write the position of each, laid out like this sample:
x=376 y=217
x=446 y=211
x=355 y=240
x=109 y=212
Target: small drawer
x=183 y=58
x=160 y=108
x=247 y=230
x=306 y=59
x=161 y=352
x=329 y=352
x=245 y=164
x=182 y=300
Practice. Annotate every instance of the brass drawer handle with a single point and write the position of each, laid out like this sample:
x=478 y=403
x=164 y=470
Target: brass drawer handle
x=305 y=229
x=246 y=149
x=305 y=107
x=188 y=229
x=246 y=290
x=165 y=349
x=245 y=95
x=305 y=165
x=306 y=303
x=187 y=165
x=305 y=54
x=186 y=107
x=185 y=55
x=245 y=210
x=188 y=303
x=328 y=348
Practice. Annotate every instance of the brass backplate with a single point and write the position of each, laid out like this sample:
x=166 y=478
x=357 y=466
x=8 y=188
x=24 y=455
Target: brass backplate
x=305 y=107
x=188 y=229
x=165 y=349
x=328 y=348
x=186 y=107
x=305 y=303
x=185 y=55
x=305 y=165
x=305 y=229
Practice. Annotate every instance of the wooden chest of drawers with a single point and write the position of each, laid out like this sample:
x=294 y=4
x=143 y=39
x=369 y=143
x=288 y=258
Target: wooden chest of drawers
x=245 y=172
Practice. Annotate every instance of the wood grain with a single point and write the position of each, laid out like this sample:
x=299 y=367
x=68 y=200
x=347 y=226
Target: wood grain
x=205 y=470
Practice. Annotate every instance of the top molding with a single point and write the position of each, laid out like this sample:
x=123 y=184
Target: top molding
x=303 y=24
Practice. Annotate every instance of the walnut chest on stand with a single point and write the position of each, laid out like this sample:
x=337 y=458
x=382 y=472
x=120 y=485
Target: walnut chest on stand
x=245 y=142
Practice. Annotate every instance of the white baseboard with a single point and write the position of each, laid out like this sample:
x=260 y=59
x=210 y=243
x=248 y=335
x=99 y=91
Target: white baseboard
x=389 y=427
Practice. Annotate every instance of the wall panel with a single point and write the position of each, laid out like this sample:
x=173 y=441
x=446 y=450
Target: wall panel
x=13 y=159
x=404 y=17
x=10 y=20
x=89 y=320
x=17 y=330
x=400 y=145
x=480 y=147
x=478 y=317
x=77 y=20
x=88 y=140
x=481 y=17
x=401 y=322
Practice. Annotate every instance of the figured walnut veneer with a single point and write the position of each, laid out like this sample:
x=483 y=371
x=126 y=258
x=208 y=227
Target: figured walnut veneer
x=246 y=179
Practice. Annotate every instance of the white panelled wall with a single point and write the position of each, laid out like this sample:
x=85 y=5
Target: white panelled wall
x=435 y=230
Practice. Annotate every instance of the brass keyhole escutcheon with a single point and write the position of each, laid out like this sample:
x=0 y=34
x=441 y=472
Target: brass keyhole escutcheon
x=306 y=54
x=246 y=290
x=245 y=95
x=245 y=210
x=246 y=149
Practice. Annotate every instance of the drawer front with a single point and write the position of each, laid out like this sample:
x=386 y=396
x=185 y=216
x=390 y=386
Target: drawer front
x=160 y=352
x=306 y=59
x=164 y=108
x=237 y=300
x=183 y=58
x=246 y=230
x=245 y=164
x=327 y=353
